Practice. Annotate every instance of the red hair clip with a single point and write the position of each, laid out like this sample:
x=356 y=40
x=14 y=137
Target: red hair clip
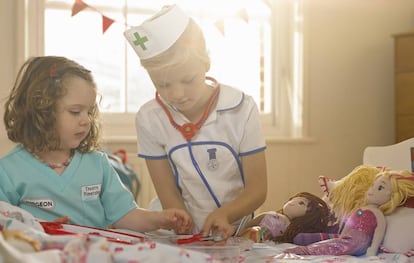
x=382 y=168
x=402 y=177
x=53 y=71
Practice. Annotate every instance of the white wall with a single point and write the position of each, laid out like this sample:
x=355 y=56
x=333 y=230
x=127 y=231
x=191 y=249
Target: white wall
x=349 y=59
x=349 y=83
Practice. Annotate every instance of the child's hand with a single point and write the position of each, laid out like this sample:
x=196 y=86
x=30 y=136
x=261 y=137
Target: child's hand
x=217 y=224
x=176 y=219
x=62 y=220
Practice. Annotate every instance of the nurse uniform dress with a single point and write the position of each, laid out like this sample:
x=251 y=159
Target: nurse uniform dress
x=207 y=167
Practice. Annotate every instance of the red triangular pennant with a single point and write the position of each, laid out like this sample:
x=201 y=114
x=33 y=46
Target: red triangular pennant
x=106 y=23
x=78 y=6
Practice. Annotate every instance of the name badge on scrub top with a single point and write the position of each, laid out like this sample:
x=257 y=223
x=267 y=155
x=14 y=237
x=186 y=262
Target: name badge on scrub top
x=90 y=192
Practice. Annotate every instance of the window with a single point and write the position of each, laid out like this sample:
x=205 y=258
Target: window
x=254 y=45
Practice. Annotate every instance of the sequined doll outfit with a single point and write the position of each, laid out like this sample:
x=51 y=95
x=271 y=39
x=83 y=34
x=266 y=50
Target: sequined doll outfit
x=273 y=225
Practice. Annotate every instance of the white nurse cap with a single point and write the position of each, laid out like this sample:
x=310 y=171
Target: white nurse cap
x=158 y=33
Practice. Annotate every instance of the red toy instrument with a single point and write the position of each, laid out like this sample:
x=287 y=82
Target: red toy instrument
x=55 y=228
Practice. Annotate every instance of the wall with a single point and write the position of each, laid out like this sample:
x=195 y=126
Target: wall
x=349 y=60
x=349 y=86
x=349 y=81
x=7 y=62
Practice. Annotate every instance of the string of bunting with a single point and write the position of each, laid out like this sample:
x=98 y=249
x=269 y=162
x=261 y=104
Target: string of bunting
x=80 y=5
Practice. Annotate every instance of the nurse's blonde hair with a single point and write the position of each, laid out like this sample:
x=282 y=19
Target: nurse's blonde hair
x=190 y=45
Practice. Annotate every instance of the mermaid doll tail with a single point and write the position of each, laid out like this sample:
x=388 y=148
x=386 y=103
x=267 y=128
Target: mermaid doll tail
x=304 y=239
x=344 y=245
x=326 y=247
x=299 y=250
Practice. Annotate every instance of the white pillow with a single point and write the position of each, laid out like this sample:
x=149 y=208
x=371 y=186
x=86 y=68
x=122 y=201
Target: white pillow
x=399 y=236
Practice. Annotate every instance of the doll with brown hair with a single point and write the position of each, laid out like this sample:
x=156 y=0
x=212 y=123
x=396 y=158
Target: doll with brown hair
x=303 y=212
x=364 y=230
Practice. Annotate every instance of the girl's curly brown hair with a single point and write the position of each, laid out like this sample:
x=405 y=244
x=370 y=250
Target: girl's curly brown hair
x=30 y=109
x=315 y=220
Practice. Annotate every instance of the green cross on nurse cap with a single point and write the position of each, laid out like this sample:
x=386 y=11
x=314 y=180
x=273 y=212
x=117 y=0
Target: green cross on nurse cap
x=140 y=41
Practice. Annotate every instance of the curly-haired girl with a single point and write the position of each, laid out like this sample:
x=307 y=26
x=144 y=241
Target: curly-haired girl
x=56 y=171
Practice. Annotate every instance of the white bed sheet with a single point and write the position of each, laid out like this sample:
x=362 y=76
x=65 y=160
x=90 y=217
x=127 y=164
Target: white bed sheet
x=98 y=249
x=89 y=247
x=274 y=253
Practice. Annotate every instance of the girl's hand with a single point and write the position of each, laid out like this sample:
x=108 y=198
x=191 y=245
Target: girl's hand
x=62 y=220
x=176 y=219
x=217 y=224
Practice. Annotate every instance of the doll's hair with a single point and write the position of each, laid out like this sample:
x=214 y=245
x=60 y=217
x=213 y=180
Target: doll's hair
x=31 y=107
x=315 y=220
x=349 y=192
x=190 y=45
x=402 y=186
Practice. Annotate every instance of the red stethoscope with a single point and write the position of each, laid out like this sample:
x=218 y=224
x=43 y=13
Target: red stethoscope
x=188 y=130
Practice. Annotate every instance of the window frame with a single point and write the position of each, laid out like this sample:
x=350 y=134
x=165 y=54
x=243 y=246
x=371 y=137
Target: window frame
x=288 y=89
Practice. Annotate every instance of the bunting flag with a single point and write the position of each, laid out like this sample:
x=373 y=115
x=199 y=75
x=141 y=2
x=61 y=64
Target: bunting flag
x=267 y=3
x=220 y=25
x=106 y=23
x=243 y=15
x=78 y=6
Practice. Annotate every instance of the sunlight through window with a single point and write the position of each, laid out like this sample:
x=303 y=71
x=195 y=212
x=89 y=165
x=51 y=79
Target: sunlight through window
x=238 y=36
x=254 y=45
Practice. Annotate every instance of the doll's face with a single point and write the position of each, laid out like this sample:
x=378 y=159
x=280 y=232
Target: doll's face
x=296 y=207
x=380 y=192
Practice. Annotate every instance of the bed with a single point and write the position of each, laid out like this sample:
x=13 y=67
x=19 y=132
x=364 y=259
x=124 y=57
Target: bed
x=158 y=248
x=68 y=243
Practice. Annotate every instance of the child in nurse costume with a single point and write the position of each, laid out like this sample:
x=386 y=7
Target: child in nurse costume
x=202 y=140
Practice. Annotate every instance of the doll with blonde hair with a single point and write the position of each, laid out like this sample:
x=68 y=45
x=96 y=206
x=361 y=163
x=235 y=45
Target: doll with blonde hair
x=348 y=193
x=403 y=185
x=364 y=229
x=343 y=196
